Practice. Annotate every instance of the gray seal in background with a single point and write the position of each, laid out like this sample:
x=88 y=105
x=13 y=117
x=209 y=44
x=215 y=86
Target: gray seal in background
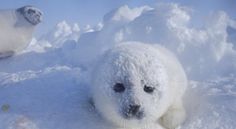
x=17 y=27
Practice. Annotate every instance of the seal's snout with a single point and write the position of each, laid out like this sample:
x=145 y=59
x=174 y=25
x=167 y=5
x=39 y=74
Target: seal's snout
x=133 y=111
x=31 y=14
x=36 y=12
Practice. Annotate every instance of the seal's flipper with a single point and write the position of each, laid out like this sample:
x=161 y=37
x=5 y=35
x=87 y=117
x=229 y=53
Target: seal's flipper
x=7 y=54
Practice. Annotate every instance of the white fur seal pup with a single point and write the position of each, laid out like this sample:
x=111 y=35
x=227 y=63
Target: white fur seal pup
x=139 y=86
x=17 y=27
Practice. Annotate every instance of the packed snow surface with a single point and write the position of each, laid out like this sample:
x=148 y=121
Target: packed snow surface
x=46 y=86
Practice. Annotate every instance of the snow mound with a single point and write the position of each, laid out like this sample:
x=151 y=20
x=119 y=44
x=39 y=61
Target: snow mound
x=60 y=34
x=203 y=51
x=124 y=14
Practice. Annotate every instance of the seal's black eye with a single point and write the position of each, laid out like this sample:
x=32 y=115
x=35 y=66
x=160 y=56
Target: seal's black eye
x=148 y=89
x=119 y=87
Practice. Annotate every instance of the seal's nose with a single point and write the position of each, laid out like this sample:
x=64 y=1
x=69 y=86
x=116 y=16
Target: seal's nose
x=134 y=109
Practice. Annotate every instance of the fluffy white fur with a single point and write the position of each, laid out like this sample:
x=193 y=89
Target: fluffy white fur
x=136 y=65
x=17 y=26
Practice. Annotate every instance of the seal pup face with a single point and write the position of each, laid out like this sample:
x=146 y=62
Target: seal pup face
x=31 y=14
x=128 y=85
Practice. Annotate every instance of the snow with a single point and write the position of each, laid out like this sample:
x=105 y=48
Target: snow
x=124 y=14
x=60 y=34
x=46 y=85
x=215 y=108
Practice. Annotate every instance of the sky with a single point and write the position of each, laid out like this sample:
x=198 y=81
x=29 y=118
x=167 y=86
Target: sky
x=91 y=12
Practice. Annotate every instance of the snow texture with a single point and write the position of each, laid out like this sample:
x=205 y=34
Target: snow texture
x=46 y=85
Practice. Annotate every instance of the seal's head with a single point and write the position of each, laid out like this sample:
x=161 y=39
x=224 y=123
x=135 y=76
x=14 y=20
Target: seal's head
x=129 y=84
x=31 y=14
